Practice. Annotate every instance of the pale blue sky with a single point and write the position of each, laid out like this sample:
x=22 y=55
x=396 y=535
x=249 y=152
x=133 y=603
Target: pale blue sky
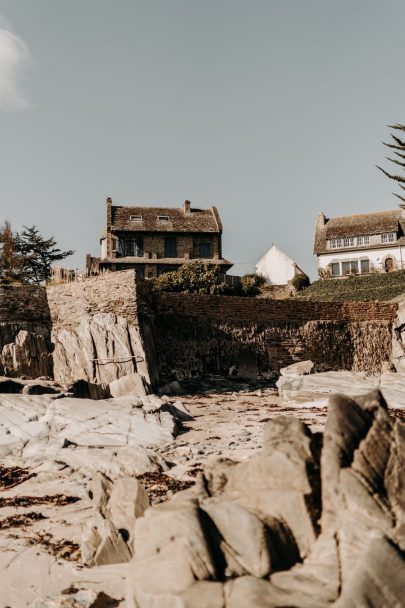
x=273 y=110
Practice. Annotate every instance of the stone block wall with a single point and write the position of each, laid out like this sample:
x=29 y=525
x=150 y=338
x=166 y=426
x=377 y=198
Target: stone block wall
x=108 y=326
x=25 y=303
x=112 y=293
x=198 y=335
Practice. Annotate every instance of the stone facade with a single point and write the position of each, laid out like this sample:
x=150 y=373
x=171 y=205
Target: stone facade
x=153 y=240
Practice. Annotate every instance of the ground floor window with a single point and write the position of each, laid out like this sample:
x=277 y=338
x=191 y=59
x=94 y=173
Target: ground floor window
x=163 y=269
x=336 y=269
x=365 y=266
x=347 y=267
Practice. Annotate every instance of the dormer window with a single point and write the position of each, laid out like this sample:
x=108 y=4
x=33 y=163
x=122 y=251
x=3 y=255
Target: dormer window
x=388 y=237
x=163 y=219
x=348 y=241
x=336 y=243
x=363 y=240
x=135 y=218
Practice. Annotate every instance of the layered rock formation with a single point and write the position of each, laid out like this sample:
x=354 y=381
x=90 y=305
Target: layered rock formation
x=306 y=523
x=113 y=436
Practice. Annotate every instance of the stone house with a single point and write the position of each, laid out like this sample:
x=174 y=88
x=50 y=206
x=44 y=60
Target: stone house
x=359 y=244
x=154 y=240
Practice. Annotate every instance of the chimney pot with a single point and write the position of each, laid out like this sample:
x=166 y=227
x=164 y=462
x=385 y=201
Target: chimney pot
x=109 y=199
x=187 y=207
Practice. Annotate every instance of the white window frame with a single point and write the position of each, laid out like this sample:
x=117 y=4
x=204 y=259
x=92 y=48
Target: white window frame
x=363 y=240
x=348 y=241
x=388 y=237
x=135 y=218
x=336 y=243
x=163 y=219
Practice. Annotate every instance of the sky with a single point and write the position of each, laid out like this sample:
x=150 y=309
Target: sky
x=272 y=110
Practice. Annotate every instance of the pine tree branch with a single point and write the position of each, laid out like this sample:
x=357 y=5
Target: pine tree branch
x=402 y=148
x=397 y=162
x=402 y=198
x=398 y=140
x=399 y=154
x=397 y=126
x=397 y=178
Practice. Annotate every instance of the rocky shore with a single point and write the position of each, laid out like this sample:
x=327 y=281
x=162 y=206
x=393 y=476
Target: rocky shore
x=225 y=496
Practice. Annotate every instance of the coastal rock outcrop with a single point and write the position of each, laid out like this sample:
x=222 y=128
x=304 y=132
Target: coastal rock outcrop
x=113 y=436
x=309 y=522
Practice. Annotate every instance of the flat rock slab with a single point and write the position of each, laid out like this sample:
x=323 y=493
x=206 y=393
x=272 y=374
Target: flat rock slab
x=81 y=432
x=315 y=389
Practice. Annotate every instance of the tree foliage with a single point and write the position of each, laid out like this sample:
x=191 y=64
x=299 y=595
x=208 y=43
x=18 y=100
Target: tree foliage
x=250 y=284
x=397 y=145
x=27 y=257
x=203 y=278
x=10 y=257
x=195 y=277
x=300 y=281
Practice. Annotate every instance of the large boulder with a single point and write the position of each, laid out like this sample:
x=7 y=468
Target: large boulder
x=262 y=534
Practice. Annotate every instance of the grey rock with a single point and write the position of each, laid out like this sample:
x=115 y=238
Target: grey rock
x=108 y=536
x=132 y=384
x=297 y=369
x=258 y=534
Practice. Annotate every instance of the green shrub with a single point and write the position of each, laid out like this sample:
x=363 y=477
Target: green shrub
x=376 y=286
x=300 y=282
x=195 y=277
x=250 y=284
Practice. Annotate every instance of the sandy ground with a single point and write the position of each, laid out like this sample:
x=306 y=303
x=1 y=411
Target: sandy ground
x=41 y=518
x=229 y=423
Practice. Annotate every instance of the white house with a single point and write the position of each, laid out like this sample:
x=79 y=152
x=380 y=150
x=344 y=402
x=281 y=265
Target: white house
x=358 y=244
x=276 y=267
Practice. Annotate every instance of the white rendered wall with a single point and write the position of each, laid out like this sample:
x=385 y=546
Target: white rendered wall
x=103 y=248
x=376 y=257
x=276 y=267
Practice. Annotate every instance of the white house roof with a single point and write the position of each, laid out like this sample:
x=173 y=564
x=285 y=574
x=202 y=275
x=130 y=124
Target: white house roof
x=277 y=267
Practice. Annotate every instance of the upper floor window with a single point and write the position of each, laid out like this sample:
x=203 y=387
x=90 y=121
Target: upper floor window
x=130 y=246
x=163 y=219
x=204 y=250
x=135 y=218
x=363 y=240
x=348 y=241
x=336 y=243
x=388 y=237
x=170 y=247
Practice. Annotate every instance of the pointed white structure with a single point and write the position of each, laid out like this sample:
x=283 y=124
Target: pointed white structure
x=276 y=267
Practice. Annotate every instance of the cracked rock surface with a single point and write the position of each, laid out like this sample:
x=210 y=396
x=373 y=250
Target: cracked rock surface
x=52 y=452
x=309 y=521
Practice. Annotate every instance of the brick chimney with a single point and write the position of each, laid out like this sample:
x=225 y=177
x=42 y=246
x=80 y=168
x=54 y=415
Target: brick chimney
x=108 y=226
x=187 y=207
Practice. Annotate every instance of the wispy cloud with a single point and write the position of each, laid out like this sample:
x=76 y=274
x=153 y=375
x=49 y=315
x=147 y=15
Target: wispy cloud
x=14 y=59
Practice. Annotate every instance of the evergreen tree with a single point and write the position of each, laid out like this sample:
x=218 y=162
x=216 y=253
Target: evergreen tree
x=10 y=257
x=398 y=148
x=38 y=254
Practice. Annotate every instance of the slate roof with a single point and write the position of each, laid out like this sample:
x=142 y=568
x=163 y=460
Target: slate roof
x=359 y=225
x=197 y=220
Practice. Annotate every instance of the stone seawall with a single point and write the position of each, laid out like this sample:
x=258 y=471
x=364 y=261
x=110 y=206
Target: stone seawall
x=196 y=335
x=107 y=327
x=76 y=331
x=112 y=293
x=263 y=309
